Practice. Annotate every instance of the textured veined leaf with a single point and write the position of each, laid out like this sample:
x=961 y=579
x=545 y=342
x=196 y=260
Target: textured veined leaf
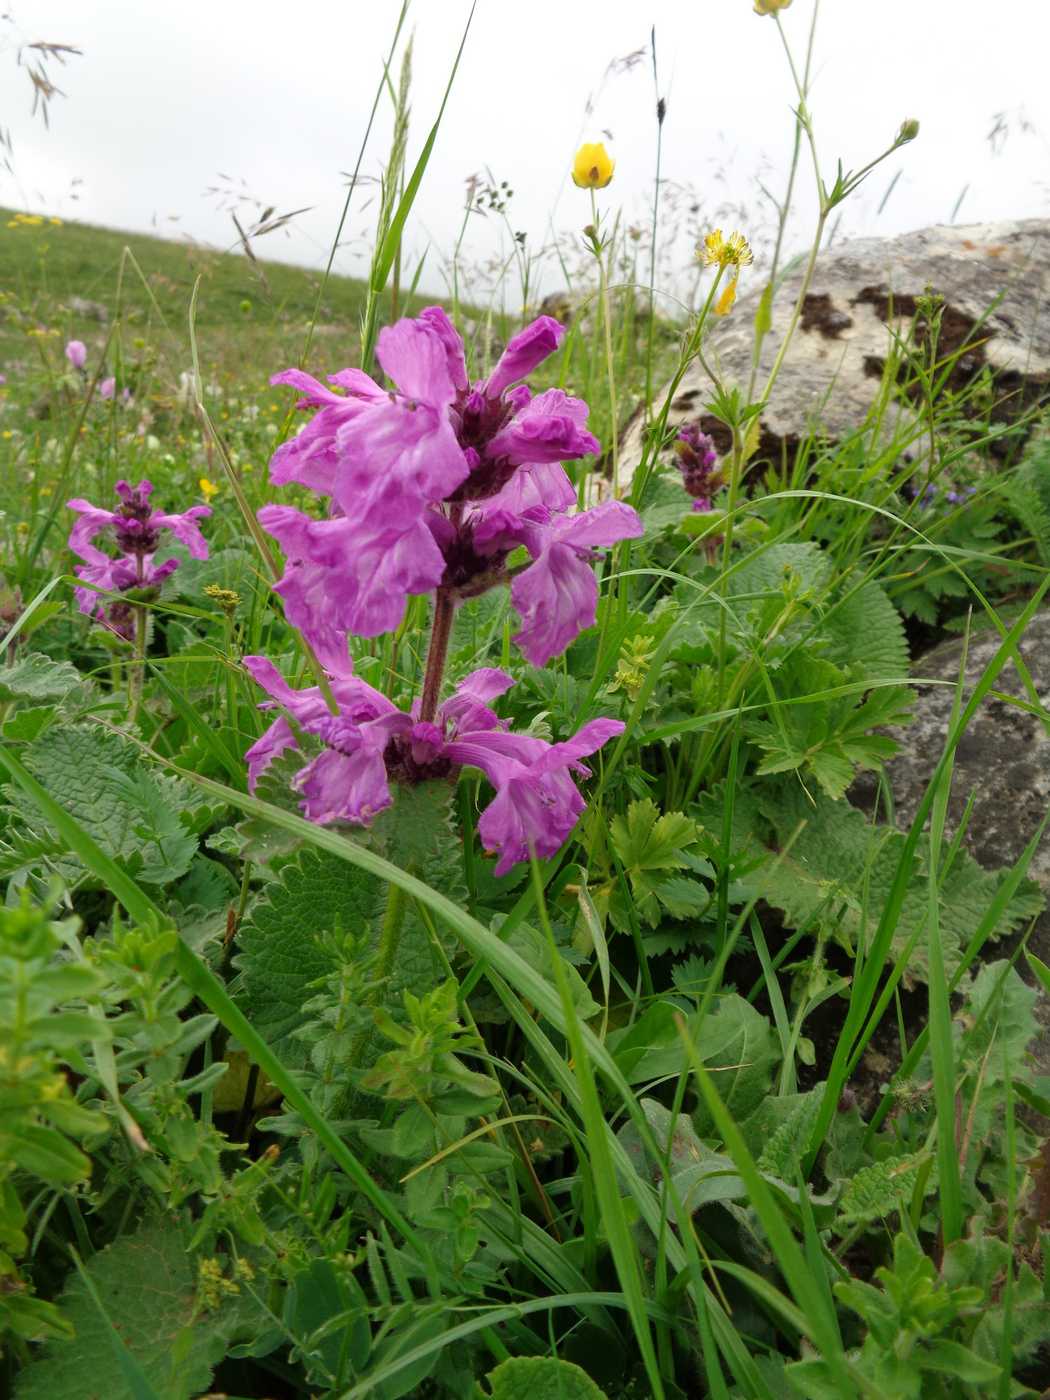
x=146 y=1284
x=877 y=1191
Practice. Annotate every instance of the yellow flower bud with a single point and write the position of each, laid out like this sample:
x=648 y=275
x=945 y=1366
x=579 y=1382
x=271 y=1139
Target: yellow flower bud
x=593 y=167
x=770 y=7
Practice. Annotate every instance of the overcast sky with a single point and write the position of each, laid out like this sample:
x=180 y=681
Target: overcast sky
x=276 y=96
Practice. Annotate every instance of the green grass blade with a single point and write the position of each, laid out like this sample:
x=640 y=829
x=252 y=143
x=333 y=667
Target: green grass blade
x=215 y=997
x=820 y=1326
x=603 y=1174
x=492 y=1317
x=206 y=733
x=940 y=1016
x=989 y=921
x=392 y=238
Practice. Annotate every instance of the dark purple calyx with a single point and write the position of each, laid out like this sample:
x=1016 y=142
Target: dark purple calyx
x=468 y=571
x=132 y=521
x=477 y=419
x=418 y=756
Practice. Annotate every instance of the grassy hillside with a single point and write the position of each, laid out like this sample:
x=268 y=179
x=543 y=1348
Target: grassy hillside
x=45 y=267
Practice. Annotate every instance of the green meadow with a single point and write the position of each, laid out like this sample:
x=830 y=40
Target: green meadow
x=531 y=1013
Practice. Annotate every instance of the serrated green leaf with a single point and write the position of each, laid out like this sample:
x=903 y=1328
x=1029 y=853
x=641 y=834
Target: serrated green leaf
x=234 y=569
x=646 y=840
x=877 y=1191
x=315 y=893
x=28 y=724
x=824 y=864
x=739 y=1049
x=867 y=635
x=682 y=898
x=785 y=1149
x=134 y=815
x=279 y=952
x=36 y=677
x=147 y=1288
x=803 y=568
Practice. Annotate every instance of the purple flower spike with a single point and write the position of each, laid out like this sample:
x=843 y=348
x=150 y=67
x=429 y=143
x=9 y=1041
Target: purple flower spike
x=370 y=743
x=136 y=530
x=407 y=468
x=311 y=458
x=107 y=388
x=698 y=463
x=76 y=353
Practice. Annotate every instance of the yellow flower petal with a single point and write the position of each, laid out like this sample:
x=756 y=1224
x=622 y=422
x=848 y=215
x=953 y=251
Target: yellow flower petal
x=724 y=304
x=208 y=488
x=593 y=167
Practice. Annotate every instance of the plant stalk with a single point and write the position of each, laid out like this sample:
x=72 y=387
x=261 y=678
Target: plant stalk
x=437 y=653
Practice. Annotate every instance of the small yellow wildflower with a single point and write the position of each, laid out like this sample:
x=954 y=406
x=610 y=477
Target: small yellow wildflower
x=593 y=167
x=208 y=488
x=720 y=252
x=770 y=7
x=733 y=251
x=56 y=222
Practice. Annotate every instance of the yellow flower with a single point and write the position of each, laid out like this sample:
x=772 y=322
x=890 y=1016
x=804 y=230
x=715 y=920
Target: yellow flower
x=208 y=488
x=725 y=252
x=593 y=167
x=770 y=7
x=53 y=220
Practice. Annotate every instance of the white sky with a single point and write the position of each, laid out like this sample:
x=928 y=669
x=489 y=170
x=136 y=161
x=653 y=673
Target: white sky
x=167 y=96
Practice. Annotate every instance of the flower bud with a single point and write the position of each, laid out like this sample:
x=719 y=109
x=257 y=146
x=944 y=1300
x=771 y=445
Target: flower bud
x=908 y=132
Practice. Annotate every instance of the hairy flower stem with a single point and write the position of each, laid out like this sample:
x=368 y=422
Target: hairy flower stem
x=606 y=314
x=437 y=652
x=136 y=675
